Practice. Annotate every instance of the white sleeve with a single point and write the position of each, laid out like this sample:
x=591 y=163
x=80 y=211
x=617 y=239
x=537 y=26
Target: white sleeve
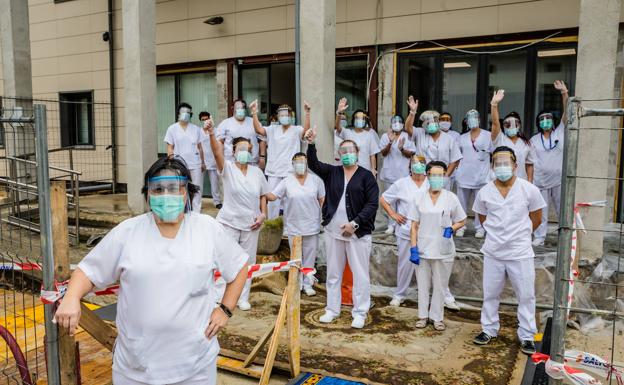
x=536 y=201
x=280 y=189
x=530 y=158
x=414 y=212
x=320 y=193
x=479 y=206
x=457 y=211
x=264 y=185
x=169 y=139
x=220 y=131
x=455 y=152
x=374 y=144
x=229 y=256
x=392 y=194
x=384 y=140
x=409 y=144
x=498 y=141
x=101 y=265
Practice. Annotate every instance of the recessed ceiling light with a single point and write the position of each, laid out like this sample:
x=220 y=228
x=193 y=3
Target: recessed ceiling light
x=557 y=52
x=460 y=64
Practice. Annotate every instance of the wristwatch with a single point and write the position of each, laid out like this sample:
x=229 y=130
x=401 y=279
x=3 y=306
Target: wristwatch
x=225 y=309
x=355 y=225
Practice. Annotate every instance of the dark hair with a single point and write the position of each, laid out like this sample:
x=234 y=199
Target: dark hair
x=184 y=105
x=503 y=149
x=239 y=100
x=284 y=107
x=357 y=112
x=514 y=114
x=204 y=113
x=177 y=165
x=350 y=141
x=397 y=116
x=239 y=139
x=299 y=155
x=464 y=126
x=537 y=119
x=435 y=163
x=447 y=113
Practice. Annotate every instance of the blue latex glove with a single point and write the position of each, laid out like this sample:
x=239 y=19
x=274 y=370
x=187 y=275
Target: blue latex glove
x=448 y=232
x=414 y=255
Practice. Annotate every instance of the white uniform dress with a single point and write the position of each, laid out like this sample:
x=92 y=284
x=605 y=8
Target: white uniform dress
x=281 y=146
x=434 y=249
x=525 y=153
x=508 y=252
x=211 y=171
x=455 y=136
x=166 y=296
x=366 y=142
x=474 y=169
x=302 y=215
x=403 y=194
x=444 y=149
x=547 y=171
x=230 y=129
x=241 y=205
x=185 y=143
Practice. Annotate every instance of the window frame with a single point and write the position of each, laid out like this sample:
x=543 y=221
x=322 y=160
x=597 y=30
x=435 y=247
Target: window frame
x=91 y=122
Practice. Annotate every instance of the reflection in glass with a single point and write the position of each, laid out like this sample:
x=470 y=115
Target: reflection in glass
x=508 y=72
x=351 y=81
x=417 y=75
x=165 y=108
x=561 y=66
x=459 y=88
x=200 y=91
x=255 y=86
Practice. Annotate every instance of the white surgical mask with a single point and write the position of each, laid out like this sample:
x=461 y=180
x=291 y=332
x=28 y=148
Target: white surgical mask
x=397 y=126
x=284 y=120
x=300 y=168
x=445 y=126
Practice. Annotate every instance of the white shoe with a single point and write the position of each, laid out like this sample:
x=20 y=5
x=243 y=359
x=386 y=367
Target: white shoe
x=452 y=306
x=396 y=301
x=327 y=318
x=244 y=305
x=460 y=233
x=538 y=242
x=390 y=230
x=358 y=322
x=309 y=291
x=480 y=233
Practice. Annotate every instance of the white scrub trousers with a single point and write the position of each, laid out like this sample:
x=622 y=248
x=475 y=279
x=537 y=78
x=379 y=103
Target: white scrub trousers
x=309 y=251
x=357 y=252
x=248 y=240
x=207 y=376
x=464 y=195
x=448 y=269
x=274 y=206
x=550 y=195
x=215 y=186
x=521 y=273
x=197 y=178
x=431 y=272
x=405 y=269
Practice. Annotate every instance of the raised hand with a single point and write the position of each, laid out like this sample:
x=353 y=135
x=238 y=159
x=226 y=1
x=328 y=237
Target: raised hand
x=391 y=135
x=306 y=107
x=560 y=85
x=253 y=107
x=497 y=97
x=310 y=135
x=413 y=104
x=342 y=105
x=401 y=144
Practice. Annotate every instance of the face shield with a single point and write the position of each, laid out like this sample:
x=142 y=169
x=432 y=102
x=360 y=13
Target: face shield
x=430 y=121
x=283 y=116
x=167 y=195
x=503 y=165
x=472 y=119
x=239 y=110
x=546 y=121
x=242 y=152
x=511 y=125
x=397 y=124
x=185 y=114
x=348 y=154
x=300 y=165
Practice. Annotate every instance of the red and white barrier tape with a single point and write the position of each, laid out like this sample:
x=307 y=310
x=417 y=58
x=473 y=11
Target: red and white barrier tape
x=574 y=361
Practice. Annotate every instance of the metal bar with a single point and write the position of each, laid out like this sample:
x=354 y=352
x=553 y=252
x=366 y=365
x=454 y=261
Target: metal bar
x=20 y=184
x=43 y=183
x=23 y=119
x=35 y=163
x=113 y=103
x=600 y=112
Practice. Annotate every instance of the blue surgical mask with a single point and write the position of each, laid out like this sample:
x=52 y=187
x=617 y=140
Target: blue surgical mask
x=511 y=132
x=167 y=207
x=284 y=120
x=433 y=127
x=184 y=117
x=503 y=173
x=546 y=124
x=243 y=157
x=349 y=159
x=436 y=182
x=418 y=168
x=359 y=123
x=240 y=113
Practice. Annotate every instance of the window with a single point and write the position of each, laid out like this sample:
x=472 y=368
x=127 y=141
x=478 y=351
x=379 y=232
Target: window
x=271 y=84
x=553 y=64
x=76 y=112
x=418 y=79
x=508 y=72
x=459 y=87
x=351 y=79
x=165 y=108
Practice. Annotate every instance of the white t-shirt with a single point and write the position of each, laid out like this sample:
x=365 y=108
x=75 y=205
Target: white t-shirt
x=405 y=193
x=508 y=226
x=474 y=169
x=185 y=143
x=453 y=134
x=395 y=164
x=433 y=219
x=209 y=159
x=525 y=153
x=230 y=129
x=166 y=293
x=548 y=158
x=444 y=149
x=281 y=146
x=241 y=195
x=302 y=215
x=340 y=218
x=365 y=141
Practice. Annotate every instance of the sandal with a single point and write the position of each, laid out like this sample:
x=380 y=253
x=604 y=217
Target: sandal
x=439 y=326
x=421 y=323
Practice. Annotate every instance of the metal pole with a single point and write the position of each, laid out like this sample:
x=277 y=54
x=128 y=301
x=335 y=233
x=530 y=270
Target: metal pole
x=566 y=228
x=43 y=185
x=113 y=104
x=298 y=60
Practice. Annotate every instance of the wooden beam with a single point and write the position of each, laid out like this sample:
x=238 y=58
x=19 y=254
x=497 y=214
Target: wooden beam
x=256 y=350
x=294 y=310
x=97 y=328
x=270 y=359
x=60 y=243
x=238 y=366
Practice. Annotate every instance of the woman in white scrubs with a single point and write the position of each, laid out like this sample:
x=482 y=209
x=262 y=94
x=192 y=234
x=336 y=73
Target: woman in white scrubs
x=435 y=217
x=164 y=260
x=362 y=134
x=397 y=148
x=473 y=172
x=244 y=200
x=209 y=160
x=302 y=217
x=397 y=202
x=548 y=144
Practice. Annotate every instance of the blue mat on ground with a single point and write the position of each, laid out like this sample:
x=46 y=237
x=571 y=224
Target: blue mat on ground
x=317 y=379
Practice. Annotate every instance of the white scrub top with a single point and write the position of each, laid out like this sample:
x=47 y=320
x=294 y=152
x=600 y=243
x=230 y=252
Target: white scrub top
x=508 y=226
x=444 y=149
x=548 y=158
x=525 y=153
x=366 y=143
x=395 y=164
x=302 y=215
x=405 y=193
x=473 y=170
x=340 y=218
x=185 y=143
x=433 y=219
x=209 y=159
x=281 y=146
x=230 y=129
x=453 y=134
x=166 y=286
x=241 y=195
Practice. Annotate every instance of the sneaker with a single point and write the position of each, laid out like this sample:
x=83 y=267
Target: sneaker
x=244 y=305
x=309 y=291
x=480 y=233
x=327 y=318
x=358 y=322
x=218 y=206
x=460 y=233
x=538 y=242
x=527 y=347
x=453 y=306
x=396 y=301
x=390 y=230
x=439 y=326
x=421 y=323
x=482 y=339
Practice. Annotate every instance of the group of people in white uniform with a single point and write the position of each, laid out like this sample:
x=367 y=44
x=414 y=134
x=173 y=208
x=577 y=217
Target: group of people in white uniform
x=168 y=313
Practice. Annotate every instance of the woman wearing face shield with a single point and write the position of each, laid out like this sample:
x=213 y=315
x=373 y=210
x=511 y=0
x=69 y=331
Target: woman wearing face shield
x=244 y=200
x=349 y=210
x=548 y=145
x=164 y=261
x=397 y=202
x=510 y=209
x=473 y=172
x=239 y=125
x=435 y=217
x=302 y=216
x=283 y=141
x=184 y=139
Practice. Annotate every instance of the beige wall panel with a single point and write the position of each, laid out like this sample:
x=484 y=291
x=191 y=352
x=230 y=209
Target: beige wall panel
x=209 y=49
x=73 y=26
x=171 y=11
x=98 y=6
x=400 y=7
x=466 y=22
x=290 y=16
x=361 y=9
x=43 y=31
x=37 y=2
x=203 y=8
x=172 y=53
x=197 y=29
x=360 y=32
x=400 y=29
x=246 y=5
x=99 y=61
x=261 y=43
x=100 y=79
x=42 y=12
x=73 y=45
x=547 y=14
x=43 y=49
x=449 y=5
x=341 y=11
x=75 y=63
x=290 y=40
x=98 y=22
x=97 y=43
x=260 y=20
x=172 y=32
x=48 y=84
x=73 y=9
x=45 y=67
x=75 y=82
x=341 y=35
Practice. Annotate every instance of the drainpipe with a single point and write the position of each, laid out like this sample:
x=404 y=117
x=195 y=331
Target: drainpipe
x=111 y=75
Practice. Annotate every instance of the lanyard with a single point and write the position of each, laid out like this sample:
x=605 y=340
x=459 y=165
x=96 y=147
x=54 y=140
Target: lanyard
x=549 y=142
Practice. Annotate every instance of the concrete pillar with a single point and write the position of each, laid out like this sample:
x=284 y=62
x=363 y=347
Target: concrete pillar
x=139 y=42
x=595 y=79
x=318 y=70
x=385 y=108
x=222 y=94
x=15 y=38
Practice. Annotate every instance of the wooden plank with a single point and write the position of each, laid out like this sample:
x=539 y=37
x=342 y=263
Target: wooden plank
x=294 y=310
x=279 y=323
x=60 y=243
x=254 y=353
x=238 y=366
x=100 y=330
